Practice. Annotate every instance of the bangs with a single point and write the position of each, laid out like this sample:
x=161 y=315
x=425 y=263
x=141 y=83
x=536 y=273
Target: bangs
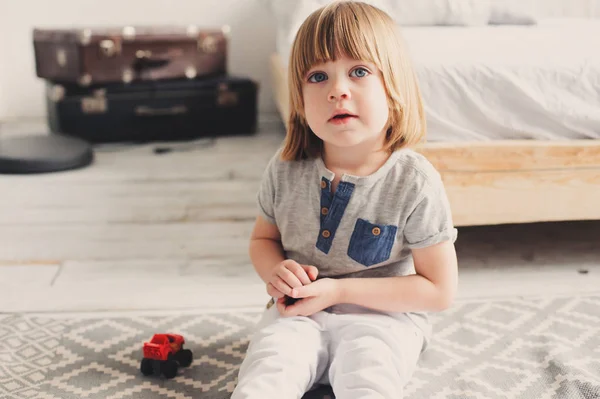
x=336 y=32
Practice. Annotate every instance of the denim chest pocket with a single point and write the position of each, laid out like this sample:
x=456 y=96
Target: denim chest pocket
x=371 y=243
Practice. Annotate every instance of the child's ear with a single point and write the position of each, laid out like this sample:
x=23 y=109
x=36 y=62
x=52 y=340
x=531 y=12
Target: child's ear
x=388 y=133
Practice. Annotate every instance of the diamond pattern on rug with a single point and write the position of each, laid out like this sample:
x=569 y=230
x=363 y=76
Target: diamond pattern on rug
x=521 y=348
x=27 y=348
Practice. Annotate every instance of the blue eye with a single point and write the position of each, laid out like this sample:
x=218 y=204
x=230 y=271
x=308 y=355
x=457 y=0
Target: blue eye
x=359 y=72
x=317 y=77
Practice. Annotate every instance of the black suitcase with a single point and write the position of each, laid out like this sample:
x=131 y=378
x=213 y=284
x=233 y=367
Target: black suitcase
x=144 y=111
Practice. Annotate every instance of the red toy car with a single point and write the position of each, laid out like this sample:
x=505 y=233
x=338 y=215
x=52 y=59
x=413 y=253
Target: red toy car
x=164 y=354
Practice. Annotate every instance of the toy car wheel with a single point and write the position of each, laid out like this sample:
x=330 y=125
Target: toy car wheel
x=184 y=357
x=146 y=366
x=169 y=367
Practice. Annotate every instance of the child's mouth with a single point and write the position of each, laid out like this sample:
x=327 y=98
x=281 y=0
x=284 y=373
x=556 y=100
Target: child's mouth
x=342 y=119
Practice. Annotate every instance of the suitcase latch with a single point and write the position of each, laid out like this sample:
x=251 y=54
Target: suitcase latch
x=61 y=57
x=96 y=104
x=56 y=93
x=208 y=45
x=110 y=48
x=225 y=97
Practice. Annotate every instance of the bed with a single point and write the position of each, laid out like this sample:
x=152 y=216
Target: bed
x=513 y=115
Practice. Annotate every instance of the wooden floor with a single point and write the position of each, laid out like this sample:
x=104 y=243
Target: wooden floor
x=137 y=230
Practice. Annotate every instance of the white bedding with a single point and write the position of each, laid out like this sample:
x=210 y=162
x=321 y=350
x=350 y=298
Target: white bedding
x=507 y=82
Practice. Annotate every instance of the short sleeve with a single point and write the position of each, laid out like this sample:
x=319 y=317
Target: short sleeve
x=266 y=191
x=430 y=222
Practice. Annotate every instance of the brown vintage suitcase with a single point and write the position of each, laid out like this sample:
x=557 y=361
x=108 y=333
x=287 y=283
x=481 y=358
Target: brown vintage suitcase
x=105 y=55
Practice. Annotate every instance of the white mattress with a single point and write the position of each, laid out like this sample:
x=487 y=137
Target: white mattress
x=479 y=83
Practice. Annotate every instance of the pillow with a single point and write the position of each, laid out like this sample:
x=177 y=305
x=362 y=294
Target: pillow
x=299 y=12
x=436 y=12
x=511 y=12
x=282 y=12
x=291 y=13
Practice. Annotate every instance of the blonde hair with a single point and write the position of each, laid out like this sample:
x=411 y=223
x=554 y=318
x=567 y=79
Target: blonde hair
x=362 y=32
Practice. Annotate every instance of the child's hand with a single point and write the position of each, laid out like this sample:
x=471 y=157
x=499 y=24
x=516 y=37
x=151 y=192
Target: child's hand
x=312 y=298
x=290 y=274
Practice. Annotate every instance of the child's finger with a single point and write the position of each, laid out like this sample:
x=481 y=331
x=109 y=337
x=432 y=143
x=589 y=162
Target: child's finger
x=280 y=306
x=289 y=277
x=274 y=292
x=304 y=291
x=282 y=286
x=300 y=273
x=311 y=271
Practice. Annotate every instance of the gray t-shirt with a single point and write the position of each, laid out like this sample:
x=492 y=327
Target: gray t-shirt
x=367 y=227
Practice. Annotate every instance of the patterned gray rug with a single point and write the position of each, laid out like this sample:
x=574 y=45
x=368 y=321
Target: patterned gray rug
x=521 y=348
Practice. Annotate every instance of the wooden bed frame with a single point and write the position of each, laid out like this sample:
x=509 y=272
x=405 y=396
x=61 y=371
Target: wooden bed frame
x=508 y=181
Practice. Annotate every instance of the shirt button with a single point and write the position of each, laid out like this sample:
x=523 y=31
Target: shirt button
x=376 y=231
x=324 y=211
x=323 y=184
x=326 y=233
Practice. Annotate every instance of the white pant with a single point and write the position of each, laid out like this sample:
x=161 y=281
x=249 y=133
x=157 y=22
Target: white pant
x=360 y=355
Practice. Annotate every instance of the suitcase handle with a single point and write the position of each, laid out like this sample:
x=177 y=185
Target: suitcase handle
x=142 y=63
x=142 y=110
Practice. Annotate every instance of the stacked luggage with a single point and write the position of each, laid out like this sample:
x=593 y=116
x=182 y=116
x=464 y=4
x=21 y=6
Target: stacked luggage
x=142 y=84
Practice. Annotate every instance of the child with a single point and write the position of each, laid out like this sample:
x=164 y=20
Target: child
x=353 y=223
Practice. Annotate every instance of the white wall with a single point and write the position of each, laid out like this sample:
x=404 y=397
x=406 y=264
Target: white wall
x=22 y=92
x=3 y=57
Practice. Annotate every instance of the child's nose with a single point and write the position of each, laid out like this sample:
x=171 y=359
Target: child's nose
x=339 y=91
x=337 y=97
